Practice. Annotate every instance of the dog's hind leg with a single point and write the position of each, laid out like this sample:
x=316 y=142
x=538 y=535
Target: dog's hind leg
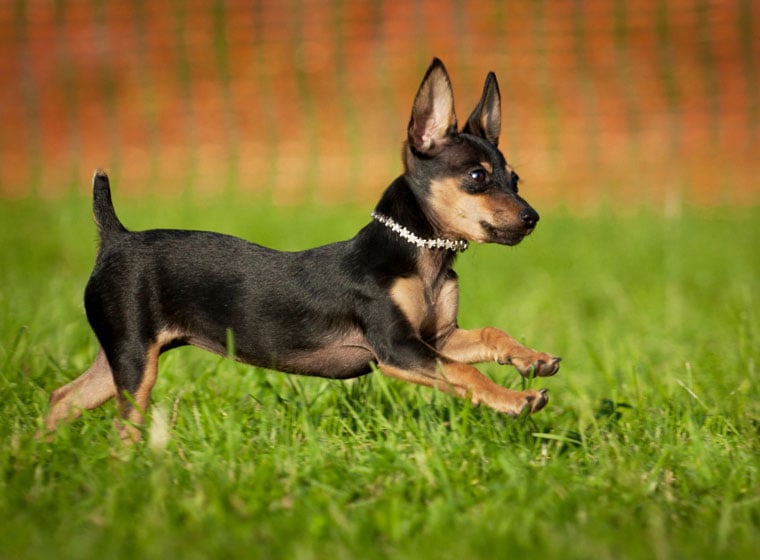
x=90 y=390
x=135 y=375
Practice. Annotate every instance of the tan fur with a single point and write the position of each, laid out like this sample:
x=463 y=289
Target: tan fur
x=90 y=390
x=96 y=386
x=432 y=312
x=460 y=215
x=133 y=412
x=493 y=345
x=465 y=381
x=409 y=296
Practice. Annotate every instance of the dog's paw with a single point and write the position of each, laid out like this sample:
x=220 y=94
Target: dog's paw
x=535 y=364
x=516 y=403
x=537 y=399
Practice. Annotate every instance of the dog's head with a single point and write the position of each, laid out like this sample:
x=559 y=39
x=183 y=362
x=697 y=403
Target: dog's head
x=461 y=179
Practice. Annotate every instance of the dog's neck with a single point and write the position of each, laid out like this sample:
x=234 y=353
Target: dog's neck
x=422 y=243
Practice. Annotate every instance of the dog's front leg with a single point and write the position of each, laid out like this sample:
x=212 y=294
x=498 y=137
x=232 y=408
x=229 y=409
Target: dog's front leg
x=493 y=345
x=465 y=381
x=414 y=361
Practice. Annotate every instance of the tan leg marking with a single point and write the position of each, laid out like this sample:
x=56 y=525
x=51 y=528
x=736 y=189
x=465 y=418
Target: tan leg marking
x=492 y=345
x=90 y=390
x=133 y=410
x=465 y=381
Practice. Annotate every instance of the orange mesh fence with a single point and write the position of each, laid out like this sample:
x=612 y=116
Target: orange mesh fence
x=646 y=101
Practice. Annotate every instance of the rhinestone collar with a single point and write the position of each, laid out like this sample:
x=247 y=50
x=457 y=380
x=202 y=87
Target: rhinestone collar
x=438 y=243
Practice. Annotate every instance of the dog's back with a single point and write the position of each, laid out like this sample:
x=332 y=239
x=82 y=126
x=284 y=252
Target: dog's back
x=205 y=289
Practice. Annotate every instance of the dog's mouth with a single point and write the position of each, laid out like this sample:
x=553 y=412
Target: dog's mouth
x=505 y=236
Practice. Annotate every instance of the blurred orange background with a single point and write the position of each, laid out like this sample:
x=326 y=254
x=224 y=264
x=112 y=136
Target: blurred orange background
x=626 y=101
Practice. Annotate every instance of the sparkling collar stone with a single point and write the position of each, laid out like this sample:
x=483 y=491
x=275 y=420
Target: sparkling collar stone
x=404 y=233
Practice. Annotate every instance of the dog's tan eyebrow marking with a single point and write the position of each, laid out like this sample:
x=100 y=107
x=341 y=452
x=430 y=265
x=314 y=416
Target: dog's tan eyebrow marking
x=487 y=166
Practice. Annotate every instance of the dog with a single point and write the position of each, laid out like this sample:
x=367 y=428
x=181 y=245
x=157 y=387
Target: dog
x=386 y=299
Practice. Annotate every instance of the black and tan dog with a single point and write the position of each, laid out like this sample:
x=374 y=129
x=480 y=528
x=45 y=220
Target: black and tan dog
x=388 y=296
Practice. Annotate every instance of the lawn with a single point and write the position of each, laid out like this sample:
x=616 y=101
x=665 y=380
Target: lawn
x=649 y=447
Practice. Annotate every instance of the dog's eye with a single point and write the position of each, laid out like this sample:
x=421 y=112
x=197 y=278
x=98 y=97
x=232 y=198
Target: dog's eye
x=478 y=175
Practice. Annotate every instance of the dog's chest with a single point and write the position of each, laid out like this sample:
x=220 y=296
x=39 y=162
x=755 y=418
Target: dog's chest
x=429 y=307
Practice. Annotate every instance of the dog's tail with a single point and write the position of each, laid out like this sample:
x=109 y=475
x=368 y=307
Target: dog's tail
x=108 y=223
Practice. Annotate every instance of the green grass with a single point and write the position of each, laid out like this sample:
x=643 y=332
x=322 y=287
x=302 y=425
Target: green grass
x=649 y=448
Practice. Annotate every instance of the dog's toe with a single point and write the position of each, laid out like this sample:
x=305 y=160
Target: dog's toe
x=540 y=401
x=546 y=368
x=541 y=365
x=535 y=400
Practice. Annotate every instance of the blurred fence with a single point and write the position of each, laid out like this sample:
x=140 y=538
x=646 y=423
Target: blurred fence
x=653 y=101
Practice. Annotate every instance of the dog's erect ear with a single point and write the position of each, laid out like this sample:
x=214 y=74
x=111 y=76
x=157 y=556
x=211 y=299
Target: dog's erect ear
x=485 y=120
x=433 y=117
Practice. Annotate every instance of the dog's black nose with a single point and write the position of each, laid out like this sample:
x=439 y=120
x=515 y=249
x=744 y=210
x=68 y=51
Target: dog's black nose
x=529 y=217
